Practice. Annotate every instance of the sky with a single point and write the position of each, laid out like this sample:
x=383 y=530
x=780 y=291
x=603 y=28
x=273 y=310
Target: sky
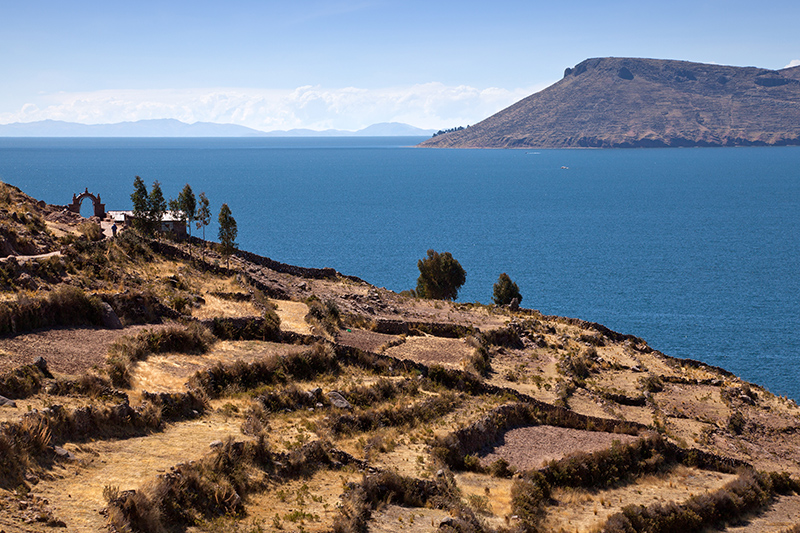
x=279 y=65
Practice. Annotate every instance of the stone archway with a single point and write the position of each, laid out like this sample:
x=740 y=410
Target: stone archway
x=99 y=208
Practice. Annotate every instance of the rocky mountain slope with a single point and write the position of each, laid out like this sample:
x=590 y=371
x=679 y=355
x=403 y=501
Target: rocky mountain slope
x=262 y=396
x=630 y=102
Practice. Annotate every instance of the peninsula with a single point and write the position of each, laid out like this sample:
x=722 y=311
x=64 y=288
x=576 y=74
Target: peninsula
x=629 y=102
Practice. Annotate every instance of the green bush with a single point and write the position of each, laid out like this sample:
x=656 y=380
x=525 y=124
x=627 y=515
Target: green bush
x=440 y=276
x=505 y=290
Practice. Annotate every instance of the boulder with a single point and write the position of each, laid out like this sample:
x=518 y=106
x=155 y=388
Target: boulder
x=315 y=394
x=5 y=402
x=338 y=400
x=110 y=318
x=64 y=454
x=41 y=364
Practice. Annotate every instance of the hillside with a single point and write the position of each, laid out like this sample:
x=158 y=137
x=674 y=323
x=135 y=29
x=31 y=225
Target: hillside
x=147 y=387
x=629 y=102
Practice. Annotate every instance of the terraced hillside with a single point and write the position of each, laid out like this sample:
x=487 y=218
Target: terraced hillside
x=266 y=397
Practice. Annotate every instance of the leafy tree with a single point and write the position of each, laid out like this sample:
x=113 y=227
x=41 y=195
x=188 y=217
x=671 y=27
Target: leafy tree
x=505 y=290
x=156 y=207
x=203 y=215
x=139 y=199
x=440 y=276
x=185 y=207
x=227 y=232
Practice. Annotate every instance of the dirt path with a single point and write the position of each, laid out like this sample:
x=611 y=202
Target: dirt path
x=77 y=497
x=26 y=258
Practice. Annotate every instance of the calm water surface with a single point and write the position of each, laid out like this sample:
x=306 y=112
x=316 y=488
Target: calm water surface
x=695 y=250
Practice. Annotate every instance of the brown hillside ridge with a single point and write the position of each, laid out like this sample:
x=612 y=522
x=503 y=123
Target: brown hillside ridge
x=629 y=102
x=274 y=398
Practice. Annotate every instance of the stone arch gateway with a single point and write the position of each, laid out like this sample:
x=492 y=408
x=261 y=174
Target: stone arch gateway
x=99 y=208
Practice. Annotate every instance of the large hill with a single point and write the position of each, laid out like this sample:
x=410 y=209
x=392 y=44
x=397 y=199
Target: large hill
x=629 y=102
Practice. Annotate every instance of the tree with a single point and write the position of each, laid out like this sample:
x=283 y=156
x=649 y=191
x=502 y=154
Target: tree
x=203 y=215
x=139 y=200
x=227 y=232
x=156 y=207
x=506 y=290
x=185 y=207
x=440 y=276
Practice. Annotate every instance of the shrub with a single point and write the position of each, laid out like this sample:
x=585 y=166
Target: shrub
x=505 y=290
x=324 y=315
x=91 y=230
x=749 y=492
x=23 y=381
x=266 y=328
x=440 y=276
x=481 y=361
x=65 y=306
x=214 y=381
x=736 y=422
x=392 y=415
x=501 y=468
x=652 y=383
x=529 y=495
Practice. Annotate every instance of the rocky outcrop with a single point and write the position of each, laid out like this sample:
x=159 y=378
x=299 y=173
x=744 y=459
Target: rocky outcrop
x=629 y=102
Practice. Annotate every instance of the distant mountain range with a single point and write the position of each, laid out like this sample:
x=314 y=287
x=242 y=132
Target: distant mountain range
x=176 y=128
x=630 y=102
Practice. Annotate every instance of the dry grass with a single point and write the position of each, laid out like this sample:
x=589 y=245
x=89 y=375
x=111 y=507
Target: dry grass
x=307 y=503
x=582 y=510
x=292 y=315
x=76 y=495
x=393 y=518
x=169 y=372
x=494 y=491
x=215 y=307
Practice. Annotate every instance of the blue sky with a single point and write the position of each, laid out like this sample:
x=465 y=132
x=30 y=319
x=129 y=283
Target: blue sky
x=347 y=64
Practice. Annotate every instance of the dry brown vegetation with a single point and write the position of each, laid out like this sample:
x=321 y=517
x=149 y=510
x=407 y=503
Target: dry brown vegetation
x=215 y=413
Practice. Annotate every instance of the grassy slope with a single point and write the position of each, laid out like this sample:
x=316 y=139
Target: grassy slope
x=398 y=414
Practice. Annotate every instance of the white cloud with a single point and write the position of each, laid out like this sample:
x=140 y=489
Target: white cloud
x=430 y=105
x=793 y=63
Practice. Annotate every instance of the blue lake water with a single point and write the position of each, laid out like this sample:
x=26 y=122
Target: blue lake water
x=695 y=250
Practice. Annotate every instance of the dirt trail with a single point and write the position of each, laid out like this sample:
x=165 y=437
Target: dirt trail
x=77 y=497
x=26 y=258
